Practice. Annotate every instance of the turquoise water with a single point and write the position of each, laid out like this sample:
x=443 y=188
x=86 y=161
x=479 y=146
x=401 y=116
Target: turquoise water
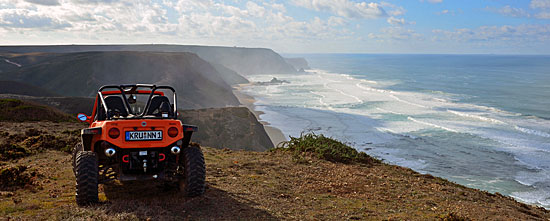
x=478 y=120
x=519 y=84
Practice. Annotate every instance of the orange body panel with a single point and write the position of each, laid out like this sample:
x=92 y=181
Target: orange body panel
x=136 y=125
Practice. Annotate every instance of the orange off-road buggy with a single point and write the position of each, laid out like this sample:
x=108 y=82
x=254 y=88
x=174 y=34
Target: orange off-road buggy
x=134 y=134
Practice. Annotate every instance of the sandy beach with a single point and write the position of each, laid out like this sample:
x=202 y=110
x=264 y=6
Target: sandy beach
x=274 y=134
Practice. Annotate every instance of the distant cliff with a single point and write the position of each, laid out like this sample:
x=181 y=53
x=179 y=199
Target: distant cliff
x=298 y=63
x=199 y=84
x=245 y=61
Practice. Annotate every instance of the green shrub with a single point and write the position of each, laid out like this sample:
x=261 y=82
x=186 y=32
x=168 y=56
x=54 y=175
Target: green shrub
x=48 y=141
x=12 y=151
x=15 y=177
x=325 y=148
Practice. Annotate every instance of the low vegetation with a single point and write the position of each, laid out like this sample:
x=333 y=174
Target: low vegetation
x=324 y=148
x=244 y=185
x=10 y=151
x=14 y=110
x=14 y=177
x=18 y=145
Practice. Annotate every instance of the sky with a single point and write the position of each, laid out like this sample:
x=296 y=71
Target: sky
x=293 y=26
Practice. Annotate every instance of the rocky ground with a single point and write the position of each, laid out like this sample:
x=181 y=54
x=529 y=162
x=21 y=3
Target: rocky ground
x=241 y=185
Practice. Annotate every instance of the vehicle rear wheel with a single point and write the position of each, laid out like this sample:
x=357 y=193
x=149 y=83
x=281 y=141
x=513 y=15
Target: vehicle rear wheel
x=86 y=173
x=193 y=183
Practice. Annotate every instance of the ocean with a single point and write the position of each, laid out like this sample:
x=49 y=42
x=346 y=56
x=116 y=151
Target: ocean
x=478 y=120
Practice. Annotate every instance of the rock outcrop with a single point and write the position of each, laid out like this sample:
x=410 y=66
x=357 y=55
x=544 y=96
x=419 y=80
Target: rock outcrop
x=235 y=128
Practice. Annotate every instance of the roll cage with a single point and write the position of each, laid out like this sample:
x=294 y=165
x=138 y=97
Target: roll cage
x=128 y=89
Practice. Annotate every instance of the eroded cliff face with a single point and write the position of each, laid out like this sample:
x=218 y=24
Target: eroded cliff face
x=233 y=127
x=298 y=63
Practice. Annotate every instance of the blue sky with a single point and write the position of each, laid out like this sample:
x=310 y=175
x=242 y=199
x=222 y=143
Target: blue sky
x=294 y=26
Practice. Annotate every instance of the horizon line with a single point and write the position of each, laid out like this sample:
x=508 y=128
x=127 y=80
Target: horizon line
x=289 y=53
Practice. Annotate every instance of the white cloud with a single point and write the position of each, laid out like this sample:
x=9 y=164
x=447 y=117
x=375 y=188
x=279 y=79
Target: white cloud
x=345 y=8
x=433 y=1
x=25 y=19
x=394 y=10
x=395 y=21
x=540 y=4
x=443 y=12
x=396 y=33
x=513 y=12
x=44 y=2
x=255 y=10
x=519 y=33
x=336 y=21
x=543 y=15
x=93 y=1
x=208 y=25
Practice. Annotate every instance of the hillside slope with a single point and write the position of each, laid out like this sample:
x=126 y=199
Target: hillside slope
x=19 y=111
x=81 y=74
x=14 y=87
x=245 y=61
x=246 y=185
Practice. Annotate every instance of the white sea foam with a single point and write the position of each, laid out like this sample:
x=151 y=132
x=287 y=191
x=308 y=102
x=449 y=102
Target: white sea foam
x=362 y=111
x=345 y=94
x=486 y=119
x=533 y=132
x=432 y=125
x=389 y=111
x=406 y=102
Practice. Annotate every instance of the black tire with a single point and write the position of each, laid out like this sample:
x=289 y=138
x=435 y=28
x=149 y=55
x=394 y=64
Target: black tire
x=86 y=173
x=193 y=183
x=77 y=148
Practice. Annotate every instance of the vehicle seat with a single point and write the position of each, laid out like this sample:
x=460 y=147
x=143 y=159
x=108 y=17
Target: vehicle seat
x=116 y=105
x=155 y=105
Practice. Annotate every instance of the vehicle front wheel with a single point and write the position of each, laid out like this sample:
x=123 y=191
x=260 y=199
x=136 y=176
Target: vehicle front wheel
x=77 y=148
x=86 y=173
x=193 y=183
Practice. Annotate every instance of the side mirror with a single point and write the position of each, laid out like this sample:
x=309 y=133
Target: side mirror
x=83 y=118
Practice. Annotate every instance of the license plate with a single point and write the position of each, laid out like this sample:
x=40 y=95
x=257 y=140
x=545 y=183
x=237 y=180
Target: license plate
x=143 y=135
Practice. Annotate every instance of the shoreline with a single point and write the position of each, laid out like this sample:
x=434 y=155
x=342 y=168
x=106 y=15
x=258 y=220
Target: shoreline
x=247 y=101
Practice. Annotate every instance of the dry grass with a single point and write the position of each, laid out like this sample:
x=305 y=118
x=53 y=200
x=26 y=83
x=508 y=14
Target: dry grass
x=246 y=185
x=19 y=111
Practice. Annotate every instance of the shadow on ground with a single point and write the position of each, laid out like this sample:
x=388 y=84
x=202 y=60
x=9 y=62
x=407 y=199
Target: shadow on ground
x=149 y=200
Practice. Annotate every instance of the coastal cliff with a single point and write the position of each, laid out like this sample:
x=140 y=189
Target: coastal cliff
x=245 y=61
x=235 y=128
x=81 y=74
x=298 y=63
